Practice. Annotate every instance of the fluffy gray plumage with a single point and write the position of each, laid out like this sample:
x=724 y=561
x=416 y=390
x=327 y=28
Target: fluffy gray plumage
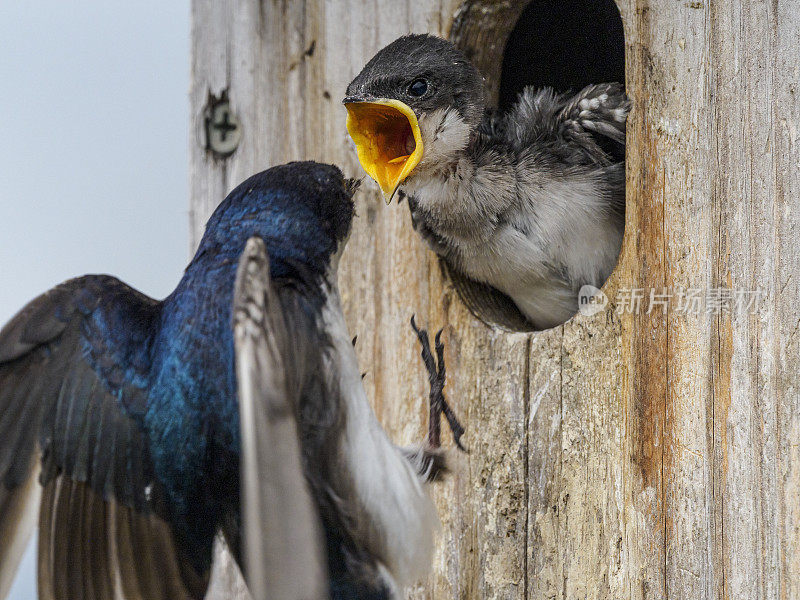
x=531 y=202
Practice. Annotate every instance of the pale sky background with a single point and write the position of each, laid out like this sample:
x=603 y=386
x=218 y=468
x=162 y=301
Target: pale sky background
x=93 y=151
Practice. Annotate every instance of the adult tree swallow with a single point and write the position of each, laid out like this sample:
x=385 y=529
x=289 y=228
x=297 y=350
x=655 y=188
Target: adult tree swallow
x=530 y=202
x=119 y=414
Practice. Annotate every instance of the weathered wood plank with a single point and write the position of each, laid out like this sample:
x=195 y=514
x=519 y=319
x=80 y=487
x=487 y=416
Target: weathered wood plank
x=545 y=572
x=755 y=99
x=782 y=361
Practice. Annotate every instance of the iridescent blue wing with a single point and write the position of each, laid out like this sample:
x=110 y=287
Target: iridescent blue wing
x=73 y=366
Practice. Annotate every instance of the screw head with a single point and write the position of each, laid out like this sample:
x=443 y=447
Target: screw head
x=223 y=130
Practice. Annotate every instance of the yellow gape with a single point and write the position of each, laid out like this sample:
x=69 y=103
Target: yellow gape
x=387 y=138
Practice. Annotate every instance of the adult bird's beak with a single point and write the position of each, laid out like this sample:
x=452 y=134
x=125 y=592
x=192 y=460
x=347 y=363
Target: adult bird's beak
x=387 y=138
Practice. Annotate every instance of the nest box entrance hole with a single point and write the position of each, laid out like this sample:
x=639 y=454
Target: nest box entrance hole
x=565 y=45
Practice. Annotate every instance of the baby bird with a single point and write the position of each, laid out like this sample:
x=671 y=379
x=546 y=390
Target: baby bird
x=530 y=202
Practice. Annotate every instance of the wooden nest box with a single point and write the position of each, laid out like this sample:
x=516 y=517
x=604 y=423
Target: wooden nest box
x=633 y=454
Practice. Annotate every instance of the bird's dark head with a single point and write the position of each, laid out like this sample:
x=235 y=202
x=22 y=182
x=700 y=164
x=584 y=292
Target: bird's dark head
x=417 y=101
x=302 y=210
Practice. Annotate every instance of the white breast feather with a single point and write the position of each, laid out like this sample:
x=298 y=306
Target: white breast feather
x=396 y=517
x=444 y=136
x=565 y=222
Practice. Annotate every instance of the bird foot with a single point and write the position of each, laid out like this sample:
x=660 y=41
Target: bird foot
x=431 y=464
x=438 y=404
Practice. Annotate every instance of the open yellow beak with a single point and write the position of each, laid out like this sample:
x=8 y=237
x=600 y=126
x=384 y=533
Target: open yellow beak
x=387 y=138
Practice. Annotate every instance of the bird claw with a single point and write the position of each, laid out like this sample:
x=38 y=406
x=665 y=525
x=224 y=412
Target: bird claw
x=436 y=377
x=430 y=463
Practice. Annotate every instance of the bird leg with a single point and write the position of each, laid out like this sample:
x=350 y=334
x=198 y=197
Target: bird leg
x=438 y=405
x=429 y=461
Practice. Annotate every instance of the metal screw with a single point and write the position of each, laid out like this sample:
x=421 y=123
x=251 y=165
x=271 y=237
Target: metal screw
x=223 y=131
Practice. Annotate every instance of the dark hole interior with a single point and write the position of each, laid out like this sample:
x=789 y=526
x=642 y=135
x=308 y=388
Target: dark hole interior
x=563 y=44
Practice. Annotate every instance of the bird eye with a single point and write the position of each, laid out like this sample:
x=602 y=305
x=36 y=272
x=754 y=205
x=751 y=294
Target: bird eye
x=418 y=88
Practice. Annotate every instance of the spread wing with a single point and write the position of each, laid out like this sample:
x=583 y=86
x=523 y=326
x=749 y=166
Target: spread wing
x=587 y=128
x=73 y=367
x=282 y=539
x=596 y=117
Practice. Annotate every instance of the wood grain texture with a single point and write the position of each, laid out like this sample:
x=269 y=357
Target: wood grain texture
x=620 y=455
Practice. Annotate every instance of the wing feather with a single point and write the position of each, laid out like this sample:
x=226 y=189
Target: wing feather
x=587 y=128
x=283 y=550
x=97 y=549
x=64 y=412
x=21 y=504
